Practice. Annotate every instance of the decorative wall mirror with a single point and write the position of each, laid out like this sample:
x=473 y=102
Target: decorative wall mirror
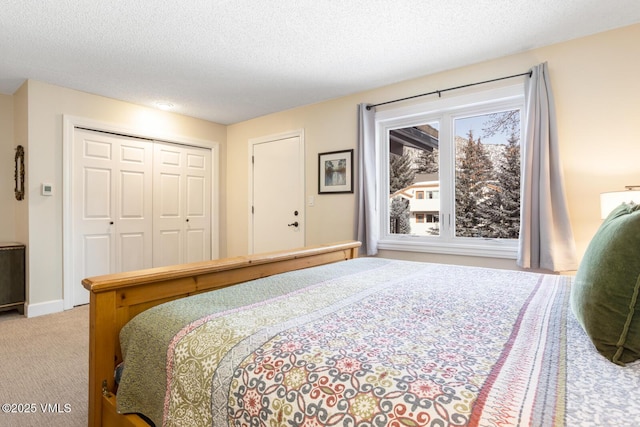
x=19 y=173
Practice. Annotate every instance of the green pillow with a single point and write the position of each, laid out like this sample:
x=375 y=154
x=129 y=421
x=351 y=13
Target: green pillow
x=604 y=295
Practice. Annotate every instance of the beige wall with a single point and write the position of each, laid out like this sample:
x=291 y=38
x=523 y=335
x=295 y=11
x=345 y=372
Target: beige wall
x=595 y=82
x=331 y=217
x=7 y=155
x=46 y=106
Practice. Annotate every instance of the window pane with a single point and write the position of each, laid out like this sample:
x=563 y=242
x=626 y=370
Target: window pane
x=487 y=186
x=414 y=173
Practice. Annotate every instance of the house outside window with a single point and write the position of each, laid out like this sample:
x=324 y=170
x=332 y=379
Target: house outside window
x=450 y=169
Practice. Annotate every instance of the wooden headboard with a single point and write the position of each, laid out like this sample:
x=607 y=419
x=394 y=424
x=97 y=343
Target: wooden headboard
x=116 y=298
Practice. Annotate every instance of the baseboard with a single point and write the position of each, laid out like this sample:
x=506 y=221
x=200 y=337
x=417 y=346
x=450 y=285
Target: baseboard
x=42 y=308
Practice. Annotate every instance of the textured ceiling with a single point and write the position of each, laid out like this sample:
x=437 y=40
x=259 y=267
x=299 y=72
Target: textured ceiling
x=229 y=61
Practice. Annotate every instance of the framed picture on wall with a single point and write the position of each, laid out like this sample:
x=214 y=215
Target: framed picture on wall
x=335 y=172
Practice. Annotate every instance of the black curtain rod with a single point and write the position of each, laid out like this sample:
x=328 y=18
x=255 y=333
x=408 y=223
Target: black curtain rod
x=439 y=92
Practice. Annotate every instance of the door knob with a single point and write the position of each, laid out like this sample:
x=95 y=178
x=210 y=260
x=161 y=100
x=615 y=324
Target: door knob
x=294 y=224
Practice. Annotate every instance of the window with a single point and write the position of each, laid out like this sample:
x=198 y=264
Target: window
x=461 y=156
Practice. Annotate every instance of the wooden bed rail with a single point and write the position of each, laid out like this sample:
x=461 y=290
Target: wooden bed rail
x=116 y=298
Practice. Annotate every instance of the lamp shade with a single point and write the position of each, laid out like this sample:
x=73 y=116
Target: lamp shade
x=611 y=200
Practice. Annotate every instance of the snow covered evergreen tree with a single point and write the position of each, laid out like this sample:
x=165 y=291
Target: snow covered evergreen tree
x=401 y=172
x=474 y=171
x=401 y=175
x=503 y=205
x=399 y=215
x=427 y=161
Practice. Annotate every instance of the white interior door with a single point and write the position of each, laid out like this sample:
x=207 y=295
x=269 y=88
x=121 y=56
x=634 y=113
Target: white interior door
x=182 y=204
x=112 y=183
x=277 y=219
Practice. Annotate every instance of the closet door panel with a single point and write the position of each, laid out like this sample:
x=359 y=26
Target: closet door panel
x=132 y=251
x=196 y=197
x=99 y=254
x=182 y=204
x=111 y=216
x=96 y=190
x=198 y=204
x=168 y=248
x=168 y=195
x=134 y=219
x=93 y=209
x=132 y=197
x=195 y=246
x=167 y=206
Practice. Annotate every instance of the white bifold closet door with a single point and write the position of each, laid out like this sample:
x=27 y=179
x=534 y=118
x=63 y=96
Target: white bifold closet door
x=181 y=204
x=112 y=206
x=137 y=204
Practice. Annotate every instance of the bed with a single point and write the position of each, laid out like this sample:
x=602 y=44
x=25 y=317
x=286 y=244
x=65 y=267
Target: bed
x=320 y=337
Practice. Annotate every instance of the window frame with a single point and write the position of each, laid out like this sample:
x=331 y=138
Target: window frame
x=445 y=111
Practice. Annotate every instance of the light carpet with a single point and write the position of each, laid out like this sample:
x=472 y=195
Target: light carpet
x=44 y=369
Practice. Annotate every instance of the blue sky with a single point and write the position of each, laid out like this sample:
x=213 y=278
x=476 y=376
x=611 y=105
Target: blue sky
x=476 y=124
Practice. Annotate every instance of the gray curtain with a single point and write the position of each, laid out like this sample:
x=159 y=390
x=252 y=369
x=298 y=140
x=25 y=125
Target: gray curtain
x=366 y=209
x=546 y=239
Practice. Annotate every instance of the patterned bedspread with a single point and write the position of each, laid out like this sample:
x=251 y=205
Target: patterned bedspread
x=374 y=342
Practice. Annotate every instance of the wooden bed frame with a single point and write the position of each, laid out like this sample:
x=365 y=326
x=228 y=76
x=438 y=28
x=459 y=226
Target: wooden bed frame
x=116 y=298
